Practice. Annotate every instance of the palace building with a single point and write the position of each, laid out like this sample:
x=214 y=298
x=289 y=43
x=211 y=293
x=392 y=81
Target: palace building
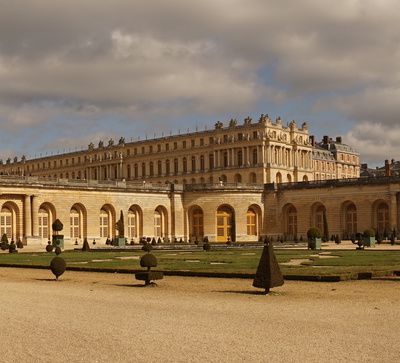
x=234 y=183
x=252 y=153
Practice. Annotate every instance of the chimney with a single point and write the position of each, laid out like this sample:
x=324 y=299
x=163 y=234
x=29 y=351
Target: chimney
x=364 y=166
x=339 y=139
x=387 y=168
x=312 y=140
x=325 y=140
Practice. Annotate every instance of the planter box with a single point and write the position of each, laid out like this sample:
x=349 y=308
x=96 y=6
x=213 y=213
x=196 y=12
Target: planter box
x=369 y=241
x=58 y=240
x=119 y=242
x=315 y=244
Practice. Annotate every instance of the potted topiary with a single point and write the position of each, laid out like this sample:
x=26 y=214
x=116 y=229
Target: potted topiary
x=368 y=238
x=314 y=238
x=58 y=239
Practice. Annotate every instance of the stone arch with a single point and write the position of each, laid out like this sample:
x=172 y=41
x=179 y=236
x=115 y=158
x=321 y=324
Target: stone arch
x=160 y=221
x=349 y=218
x=278 y=177
x=380 y=216
x=223 y=178
x=254 y=220
x=134 y=222
x=107 y=221
x=225 y=223
x=290 y=220
x=288 y=178
x=196 y=223
x=10 y=220
x=78 y=221
x=305 y=178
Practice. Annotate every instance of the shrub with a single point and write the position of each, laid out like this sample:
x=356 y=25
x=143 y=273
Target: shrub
x=313 y=233
x=159 y=240
x=205 y=239
x=148 y=239
x=12 y=248
x=85 y=247
x=4 y=238
x=392 y=239
x=49 y=247
x=20 y=244
x=337 y=239
x=148 y=260
x=369 y=233
x=147 y=247
x=153 y=241
x=57 y=250
x=58 y=266
x=206 y=247
x=132 y=242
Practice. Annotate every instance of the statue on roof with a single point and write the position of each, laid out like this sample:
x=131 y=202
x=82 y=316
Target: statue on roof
x=110 y=143
x=91 y=146
x=121 y=141
x=232 y=122
x=247 y=120
x=219 y=125
x=263 y=119
x=101 y=144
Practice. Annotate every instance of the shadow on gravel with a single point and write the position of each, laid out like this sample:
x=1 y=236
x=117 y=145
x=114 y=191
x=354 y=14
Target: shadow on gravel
x=134 y=285
x=53 y=279
x=244 y=292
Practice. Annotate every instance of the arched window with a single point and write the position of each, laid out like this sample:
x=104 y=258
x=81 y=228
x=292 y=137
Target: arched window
x=6 y=222
x=160 y=222
x=143 y=170
x=225 y=224
x=291 y=227
x=44 y=223
x=159 y=167
x=167 y=168
x=136 y=172
x=197 y=230
x=225 y=159
x=134 y=222
x=176 y=168
x=202 y=166
x=211 y=161
x=104 y=224
x=184 y=165
x=382 y=217
x=251 y=222
x=350 y=219
x=193 y=164
x=238 y=178
x=255 y=158
x=151 y=168
x=278 y=178
x=75 y=225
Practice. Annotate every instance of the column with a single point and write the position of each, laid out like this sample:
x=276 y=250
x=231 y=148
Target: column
x=35 y=216
x=27 y=216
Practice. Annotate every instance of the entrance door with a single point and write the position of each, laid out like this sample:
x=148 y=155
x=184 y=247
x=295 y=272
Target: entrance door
x=224 y=225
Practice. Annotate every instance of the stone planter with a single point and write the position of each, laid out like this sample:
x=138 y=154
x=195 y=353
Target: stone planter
x=369 y=241
x=58 y=240
x=314 y=243
x=119 y=242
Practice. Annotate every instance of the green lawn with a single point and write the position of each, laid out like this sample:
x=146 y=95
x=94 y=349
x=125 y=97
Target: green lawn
x=237 y=261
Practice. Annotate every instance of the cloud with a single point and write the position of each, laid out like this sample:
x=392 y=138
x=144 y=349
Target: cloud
x=162 y=62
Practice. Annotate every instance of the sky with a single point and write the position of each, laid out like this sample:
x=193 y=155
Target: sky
x=74 y=72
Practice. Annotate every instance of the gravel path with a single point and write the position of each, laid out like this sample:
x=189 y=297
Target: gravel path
x=93 y=317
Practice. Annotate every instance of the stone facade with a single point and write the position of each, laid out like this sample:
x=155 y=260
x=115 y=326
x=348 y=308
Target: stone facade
x=251 y=153
x=222 y=212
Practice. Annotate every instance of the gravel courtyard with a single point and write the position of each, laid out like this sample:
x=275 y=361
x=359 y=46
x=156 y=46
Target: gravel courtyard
x=94 y=317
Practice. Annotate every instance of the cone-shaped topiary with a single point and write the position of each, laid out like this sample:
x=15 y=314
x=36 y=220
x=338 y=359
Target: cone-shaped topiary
x=153 y=241
x=12 y=248
x=4 y=238
x=58 y=266
x=85 y=247
x=148 y=260
x=57 y=250
x=20 y=244
x=206 y=247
